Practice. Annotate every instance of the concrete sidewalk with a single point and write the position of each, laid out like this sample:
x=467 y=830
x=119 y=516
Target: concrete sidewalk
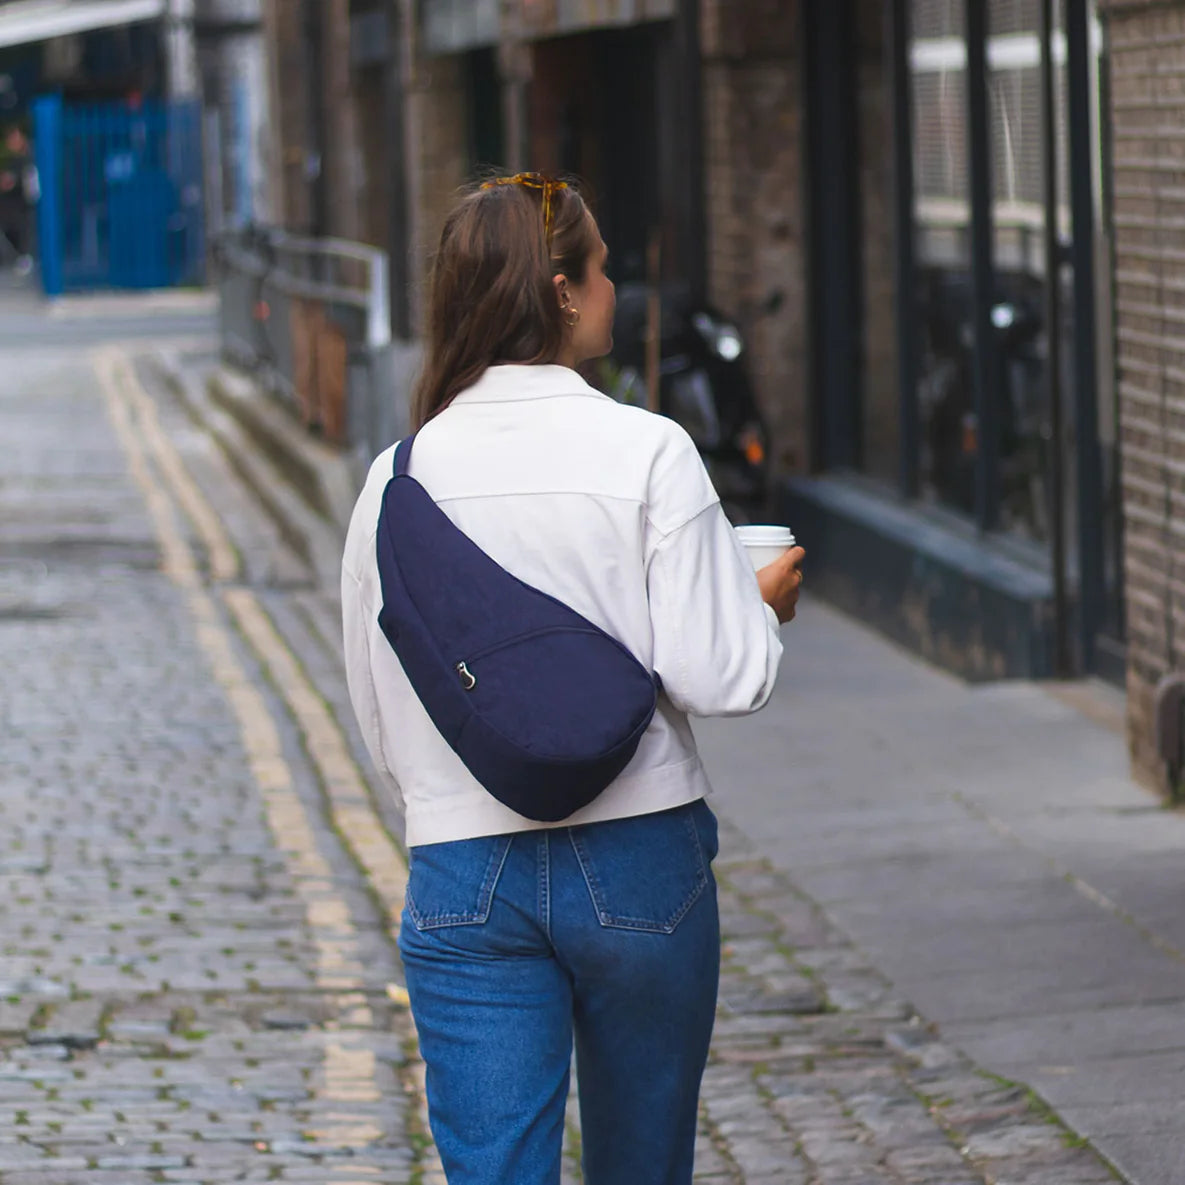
x=987 y=850
x=30 y=322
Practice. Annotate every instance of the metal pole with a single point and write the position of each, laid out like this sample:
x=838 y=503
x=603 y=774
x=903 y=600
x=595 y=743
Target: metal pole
x=378 y=307
x=1091 y=591
x=397 y=173
x=693 y=235
x=835 y=278
x=212 y=167
x=985 y=368
x=901 y=80
x=1053 y=354
x=816 y=369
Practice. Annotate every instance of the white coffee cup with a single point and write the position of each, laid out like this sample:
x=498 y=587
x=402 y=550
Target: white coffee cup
x=764 y=543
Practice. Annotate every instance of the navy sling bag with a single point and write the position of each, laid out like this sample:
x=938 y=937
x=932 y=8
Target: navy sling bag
x=544 y=708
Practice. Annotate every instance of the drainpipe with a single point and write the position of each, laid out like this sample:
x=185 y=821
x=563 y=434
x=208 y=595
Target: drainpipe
x=1053 y=350
x=1092 y=583
x=514 y=67
x=180 y=50
x=692 y=220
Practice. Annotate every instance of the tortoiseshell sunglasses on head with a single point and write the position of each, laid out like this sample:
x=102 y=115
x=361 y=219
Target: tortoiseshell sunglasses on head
x=546 y=185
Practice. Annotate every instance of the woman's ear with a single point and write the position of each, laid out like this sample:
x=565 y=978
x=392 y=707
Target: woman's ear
x=561 y=290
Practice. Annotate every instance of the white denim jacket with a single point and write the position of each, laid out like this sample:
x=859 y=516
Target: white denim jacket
x=607 y=508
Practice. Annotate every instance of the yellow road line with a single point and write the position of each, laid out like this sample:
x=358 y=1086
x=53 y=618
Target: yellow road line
x=348 y=1072
x=351 y=811
x=355 y=818
x=353 y=814
x=223 y=556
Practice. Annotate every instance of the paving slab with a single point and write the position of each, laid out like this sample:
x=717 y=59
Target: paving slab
x=986 y=849
x=1156 y=1156
x=1132 y=1078
x=1148 y=1117
x=1077 y=1037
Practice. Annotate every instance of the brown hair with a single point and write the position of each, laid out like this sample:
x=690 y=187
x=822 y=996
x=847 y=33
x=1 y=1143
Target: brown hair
x=492 y=297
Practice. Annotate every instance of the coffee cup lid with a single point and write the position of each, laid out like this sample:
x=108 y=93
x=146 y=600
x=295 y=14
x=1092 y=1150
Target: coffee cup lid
x=766 y=533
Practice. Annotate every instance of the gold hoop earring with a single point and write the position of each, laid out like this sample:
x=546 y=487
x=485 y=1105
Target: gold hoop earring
x=571 y=316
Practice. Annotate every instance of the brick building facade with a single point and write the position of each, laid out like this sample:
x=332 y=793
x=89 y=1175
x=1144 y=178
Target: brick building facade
x=1147 y=71
x=718 y=121
x=755 y=218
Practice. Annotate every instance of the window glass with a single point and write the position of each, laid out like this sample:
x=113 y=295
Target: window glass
x=942 y=167
x=942 y=253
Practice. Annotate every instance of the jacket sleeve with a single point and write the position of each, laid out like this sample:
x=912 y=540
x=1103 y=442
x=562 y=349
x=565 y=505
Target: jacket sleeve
x=716 y=642
x=358 y=618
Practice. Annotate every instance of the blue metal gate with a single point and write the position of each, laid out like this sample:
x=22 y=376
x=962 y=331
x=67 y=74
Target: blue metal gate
x=121 y=195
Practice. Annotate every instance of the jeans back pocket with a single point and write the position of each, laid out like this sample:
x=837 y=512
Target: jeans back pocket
x=646 y=872
x=452 y=884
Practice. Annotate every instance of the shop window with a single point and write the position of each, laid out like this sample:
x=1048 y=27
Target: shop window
x=949 y=431
x=897 y=368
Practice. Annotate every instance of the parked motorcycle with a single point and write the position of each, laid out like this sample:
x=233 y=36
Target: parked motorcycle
x=703 y=385
x=947 y=397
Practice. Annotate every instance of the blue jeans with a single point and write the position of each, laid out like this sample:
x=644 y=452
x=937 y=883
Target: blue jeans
x=514 y=945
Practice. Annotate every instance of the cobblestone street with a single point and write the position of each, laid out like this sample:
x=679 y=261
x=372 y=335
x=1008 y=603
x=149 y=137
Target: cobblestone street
x=198 y=886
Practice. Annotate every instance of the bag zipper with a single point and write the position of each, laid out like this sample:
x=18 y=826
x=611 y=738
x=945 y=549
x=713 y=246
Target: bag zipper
x=469 y=680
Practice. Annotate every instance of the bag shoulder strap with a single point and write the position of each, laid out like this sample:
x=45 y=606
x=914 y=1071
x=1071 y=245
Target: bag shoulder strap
x=403 y=455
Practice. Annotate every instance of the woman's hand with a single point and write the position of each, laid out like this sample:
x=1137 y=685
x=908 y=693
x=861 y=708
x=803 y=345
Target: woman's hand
x=780 y=581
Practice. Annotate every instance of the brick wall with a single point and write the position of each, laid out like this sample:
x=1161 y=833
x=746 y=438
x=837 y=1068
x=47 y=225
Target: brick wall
x=752 y=163
x=299 y=107
x=1147 y=110
x=339 y=148
x=369 y=91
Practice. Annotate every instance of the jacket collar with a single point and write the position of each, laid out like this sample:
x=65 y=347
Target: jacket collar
x=511 y=382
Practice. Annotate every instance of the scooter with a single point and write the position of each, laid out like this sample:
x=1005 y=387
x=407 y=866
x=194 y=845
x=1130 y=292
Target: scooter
x=703 y=385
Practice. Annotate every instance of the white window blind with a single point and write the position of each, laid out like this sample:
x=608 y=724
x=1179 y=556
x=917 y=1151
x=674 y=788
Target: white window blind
x=938 y=67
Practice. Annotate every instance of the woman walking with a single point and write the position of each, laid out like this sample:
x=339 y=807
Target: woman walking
x=523 y=940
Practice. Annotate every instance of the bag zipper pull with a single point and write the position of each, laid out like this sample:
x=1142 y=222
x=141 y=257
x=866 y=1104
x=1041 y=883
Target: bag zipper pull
x=468 y=679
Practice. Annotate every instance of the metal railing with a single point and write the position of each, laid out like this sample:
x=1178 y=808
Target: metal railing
x=310 y=318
